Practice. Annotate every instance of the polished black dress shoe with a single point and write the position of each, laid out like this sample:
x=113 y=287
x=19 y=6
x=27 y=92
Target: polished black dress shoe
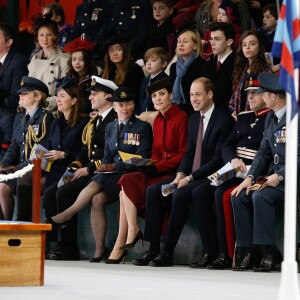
x=58 y=225
x=103 y=256
x=48 y=253
x=65 y=253
x=111 y=261
x=139 y=236
x=162 y=260
x=244 y=262
x=267 y=263
x=205 y=260
x=220 y=263
x=145 y=260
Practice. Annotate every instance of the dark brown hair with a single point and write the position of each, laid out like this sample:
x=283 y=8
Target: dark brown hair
x=122 y=70
x=241 y=62
x=73 y=92
x=89 y=65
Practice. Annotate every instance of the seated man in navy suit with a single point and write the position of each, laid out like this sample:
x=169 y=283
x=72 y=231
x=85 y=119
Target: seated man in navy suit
x=13 y=66
x=207 y=130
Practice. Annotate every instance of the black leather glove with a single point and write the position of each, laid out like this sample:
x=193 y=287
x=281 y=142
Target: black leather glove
x=149 y=171
x=7 y=170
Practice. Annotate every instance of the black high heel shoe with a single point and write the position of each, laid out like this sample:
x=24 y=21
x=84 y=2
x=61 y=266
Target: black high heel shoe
x=103 y=256
x=58 y=225
x=111 y=261
x=139 y=236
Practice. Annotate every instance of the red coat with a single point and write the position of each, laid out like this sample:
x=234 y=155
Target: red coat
x=169 y=142
x=169 y=146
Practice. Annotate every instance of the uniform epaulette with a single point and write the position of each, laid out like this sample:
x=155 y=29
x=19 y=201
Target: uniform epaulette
x=245 y=112
x=262 y=112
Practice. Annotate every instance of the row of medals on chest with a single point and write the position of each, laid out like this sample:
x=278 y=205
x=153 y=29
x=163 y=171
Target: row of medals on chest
x=131 y=138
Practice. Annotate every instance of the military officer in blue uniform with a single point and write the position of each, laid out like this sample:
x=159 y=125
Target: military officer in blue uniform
x=91 y=20
x=90 y=156
x=127 y=134
x=31 y=126
x=131 y=17
x=254 y=204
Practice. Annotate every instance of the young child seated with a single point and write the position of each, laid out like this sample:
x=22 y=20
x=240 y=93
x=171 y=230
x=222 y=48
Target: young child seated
x=228 y=12
x=156 y=61
x=159 y=31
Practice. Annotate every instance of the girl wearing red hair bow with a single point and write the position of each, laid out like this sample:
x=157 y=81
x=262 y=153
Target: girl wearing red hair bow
x=81 y=68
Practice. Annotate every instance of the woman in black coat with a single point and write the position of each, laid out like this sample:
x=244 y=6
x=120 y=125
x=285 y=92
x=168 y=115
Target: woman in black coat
x=120 y=68
x=188 y=67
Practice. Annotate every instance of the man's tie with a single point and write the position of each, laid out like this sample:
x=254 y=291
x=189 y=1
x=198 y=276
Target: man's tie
x=99 y=122
x=121 y=126
x=1 y=65
x=218 y=65
x=275 y=119
x=197 y=157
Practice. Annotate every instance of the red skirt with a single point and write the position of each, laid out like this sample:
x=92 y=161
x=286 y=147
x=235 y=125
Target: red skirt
x=135 y=185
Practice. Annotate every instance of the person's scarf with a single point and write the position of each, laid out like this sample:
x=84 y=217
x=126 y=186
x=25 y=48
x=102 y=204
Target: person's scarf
x=181 y=69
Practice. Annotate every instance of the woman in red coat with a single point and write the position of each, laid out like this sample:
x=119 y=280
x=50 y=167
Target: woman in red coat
x=169 y=145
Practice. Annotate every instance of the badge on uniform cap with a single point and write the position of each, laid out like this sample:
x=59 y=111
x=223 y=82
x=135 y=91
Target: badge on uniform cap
x=123 y=95
x=93 y=83
x=22 y=82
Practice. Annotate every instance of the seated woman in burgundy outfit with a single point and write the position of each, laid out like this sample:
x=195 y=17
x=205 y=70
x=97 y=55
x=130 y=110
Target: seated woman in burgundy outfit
x=169 y=145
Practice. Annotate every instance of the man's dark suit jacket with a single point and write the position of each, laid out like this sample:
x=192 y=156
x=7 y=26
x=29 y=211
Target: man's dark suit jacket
x=14 y=67
x=222 y=79
x=218 y=129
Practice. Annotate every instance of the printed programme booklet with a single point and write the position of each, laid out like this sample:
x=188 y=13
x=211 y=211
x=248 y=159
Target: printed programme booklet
x=226 y=173
x=135 y=160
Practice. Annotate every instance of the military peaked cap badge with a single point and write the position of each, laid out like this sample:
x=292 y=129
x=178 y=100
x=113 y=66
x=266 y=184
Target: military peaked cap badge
x=93 y=83
x=123 y=95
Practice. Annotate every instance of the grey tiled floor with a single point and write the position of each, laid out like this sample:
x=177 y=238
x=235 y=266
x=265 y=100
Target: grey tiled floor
x=83 y=280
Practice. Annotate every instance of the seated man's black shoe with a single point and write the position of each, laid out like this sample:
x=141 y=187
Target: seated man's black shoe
x=66 y=253
x=205 y=260
x=271 y=258
x=267 y=263
x=220 y=263
x=48 y=253
x=145 y=260
x=162 y=260
x=244 y=262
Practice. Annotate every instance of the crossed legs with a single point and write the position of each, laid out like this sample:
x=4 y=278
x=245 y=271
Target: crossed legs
x=128 y=227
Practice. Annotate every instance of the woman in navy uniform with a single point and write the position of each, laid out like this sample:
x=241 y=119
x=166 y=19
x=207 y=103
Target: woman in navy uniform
x=90 y=156
x=31 y=125
x=127 y=134
x=63 y=144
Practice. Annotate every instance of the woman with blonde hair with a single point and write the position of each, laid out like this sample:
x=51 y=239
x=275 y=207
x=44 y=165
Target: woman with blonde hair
x=62 y=145
x=31 y=126
x=188 y=67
